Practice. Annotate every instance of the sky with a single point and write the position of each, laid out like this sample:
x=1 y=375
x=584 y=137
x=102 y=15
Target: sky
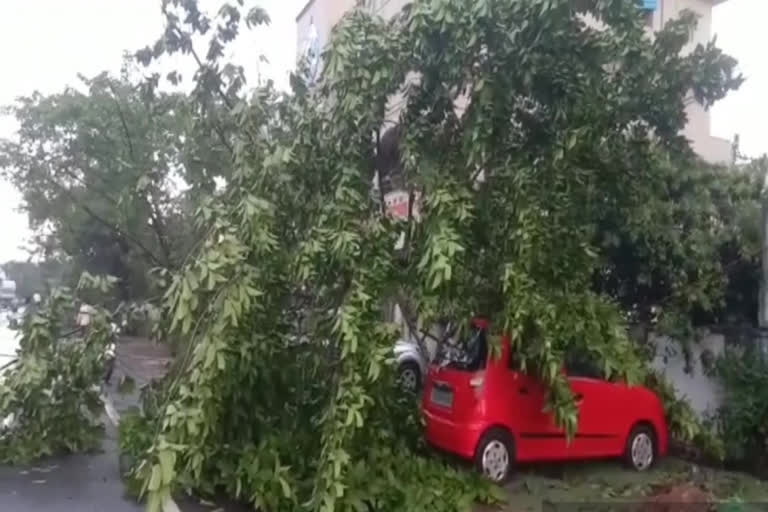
x=740 y=28
x=44 y=44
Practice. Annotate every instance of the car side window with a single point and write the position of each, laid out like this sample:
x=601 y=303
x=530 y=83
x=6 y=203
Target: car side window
x=580 y=364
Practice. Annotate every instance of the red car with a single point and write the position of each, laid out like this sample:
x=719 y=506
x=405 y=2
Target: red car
x=483 y=408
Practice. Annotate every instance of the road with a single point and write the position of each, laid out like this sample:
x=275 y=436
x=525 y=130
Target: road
x=78 y=483
x=81 y=483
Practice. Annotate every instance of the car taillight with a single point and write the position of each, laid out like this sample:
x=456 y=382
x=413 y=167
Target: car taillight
x=476 y=383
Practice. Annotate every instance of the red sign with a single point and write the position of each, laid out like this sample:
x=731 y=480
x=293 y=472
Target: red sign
x=397 y=205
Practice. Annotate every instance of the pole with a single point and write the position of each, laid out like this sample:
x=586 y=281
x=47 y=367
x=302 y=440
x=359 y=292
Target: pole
x=762 y=303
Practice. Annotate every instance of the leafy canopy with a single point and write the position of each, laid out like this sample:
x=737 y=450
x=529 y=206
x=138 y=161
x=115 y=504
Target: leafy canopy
x=101 y=171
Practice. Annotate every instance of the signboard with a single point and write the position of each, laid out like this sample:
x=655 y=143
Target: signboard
x=396 y=203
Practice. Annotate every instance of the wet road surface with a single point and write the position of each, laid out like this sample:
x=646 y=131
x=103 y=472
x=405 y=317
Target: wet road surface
x=77 y=483
x=84 y=483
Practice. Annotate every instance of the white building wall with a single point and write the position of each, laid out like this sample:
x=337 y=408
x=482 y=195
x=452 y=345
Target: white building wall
x=703 y=392
x=324 y=15
x=387 y=8
x=698 y=129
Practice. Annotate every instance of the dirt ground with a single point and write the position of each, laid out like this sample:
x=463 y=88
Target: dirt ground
x=598 y=486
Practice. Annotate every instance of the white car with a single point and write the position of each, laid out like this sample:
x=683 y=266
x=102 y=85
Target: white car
x=413 y=357
x=411 y=365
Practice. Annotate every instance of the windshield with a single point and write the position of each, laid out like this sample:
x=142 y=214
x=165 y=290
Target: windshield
x=467 y=353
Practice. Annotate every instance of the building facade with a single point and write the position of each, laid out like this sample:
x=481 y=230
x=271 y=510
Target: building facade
x=318 y=17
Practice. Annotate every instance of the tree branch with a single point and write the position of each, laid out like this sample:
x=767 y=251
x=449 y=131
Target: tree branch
x=113 y=228
x=153 y=215
x=202 y=66
x=157 y=224
x=126 y=132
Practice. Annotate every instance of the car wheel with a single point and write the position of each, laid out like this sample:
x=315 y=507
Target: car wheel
x=409 y=376
x=495 y=455
x=640 y=451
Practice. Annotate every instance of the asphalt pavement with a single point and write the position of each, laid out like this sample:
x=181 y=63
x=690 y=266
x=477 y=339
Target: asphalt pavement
x=76 y=483
x=86 y=483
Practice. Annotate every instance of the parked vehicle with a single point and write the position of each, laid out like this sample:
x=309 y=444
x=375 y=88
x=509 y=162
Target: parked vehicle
x=411 y=365
x=487 y=410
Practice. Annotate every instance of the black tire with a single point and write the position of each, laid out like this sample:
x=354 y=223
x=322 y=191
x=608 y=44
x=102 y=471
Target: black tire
x=497 y=436
x=409 y=371
x=639 y=461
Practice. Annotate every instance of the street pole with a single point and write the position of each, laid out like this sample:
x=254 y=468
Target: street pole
x=762 y=317
x=762 y=303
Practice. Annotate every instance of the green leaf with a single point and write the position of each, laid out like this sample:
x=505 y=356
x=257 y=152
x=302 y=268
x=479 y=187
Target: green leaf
x=156 y=479
x=167 y=462
x=154 y=502
x=285 y=487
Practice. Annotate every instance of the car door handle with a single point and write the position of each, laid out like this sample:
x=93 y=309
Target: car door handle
x=523 y=390
x=578 y=398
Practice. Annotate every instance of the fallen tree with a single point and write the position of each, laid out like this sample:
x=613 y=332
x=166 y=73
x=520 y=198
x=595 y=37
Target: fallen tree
x=546 y=153
x=50 y=395
x=575 y=132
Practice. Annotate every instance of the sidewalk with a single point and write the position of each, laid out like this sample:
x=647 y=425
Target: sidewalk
x=143 y=361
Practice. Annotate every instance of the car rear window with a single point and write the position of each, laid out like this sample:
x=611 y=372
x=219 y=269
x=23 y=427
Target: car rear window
x=582 y=364
x=466 y=353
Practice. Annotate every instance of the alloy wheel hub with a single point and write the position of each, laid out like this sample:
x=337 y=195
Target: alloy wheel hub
x=495 y=460
x=408 y=379
x=642 y=451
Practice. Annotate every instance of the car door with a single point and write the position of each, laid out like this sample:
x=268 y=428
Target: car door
x=598 y=432
x=538 y=437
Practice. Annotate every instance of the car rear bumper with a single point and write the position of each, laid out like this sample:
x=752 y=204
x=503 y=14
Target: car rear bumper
x=457 y=438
